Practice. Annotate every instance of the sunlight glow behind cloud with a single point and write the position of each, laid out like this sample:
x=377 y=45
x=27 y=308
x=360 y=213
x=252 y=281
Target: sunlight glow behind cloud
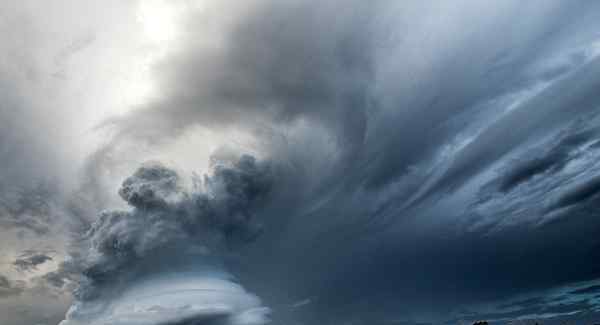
x=158 y=20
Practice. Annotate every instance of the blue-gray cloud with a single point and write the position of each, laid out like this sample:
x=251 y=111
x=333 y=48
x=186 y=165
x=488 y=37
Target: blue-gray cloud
x=421 y=166
x=423 y=158
x=10 y=287
x=30 y=260
x=168 y=229
x=587 y=290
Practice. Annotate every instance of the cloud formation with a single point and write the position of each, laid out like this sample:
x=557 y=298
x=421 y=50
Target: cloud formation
x=30 y=260
x=424 y=159
x=166 y=228
x=395 y=126
x=9 y=287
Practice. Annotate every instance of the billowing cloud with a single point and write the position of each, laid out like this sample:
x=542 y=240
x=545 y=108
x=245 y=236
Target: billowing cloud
x=170 y=229
x=425 y=159
x=411 y=150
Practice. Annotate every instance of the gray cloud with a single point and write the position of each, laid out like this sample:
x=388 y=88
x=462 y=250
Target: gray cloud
x=423 y=157
x=164 y=214
x=9 y=287
x=577 y=194
x=252 y=80
x=551 y=161
x=394 y=127
x=587 y=290
x=66 y=274
x=29 y=261
x=29 y=208
x=150 y=187
x=536 y=301
x=535 y=312
x=43 y=138
x=169 y=226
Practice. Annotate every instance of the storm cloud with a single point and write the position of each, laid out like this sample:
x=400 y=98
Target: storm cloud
x=434 y=151
x=366 y=162
x=166 y=228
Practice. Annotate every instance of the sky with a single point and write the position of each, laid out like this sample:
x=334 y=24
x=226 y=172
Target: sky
x=301 y=162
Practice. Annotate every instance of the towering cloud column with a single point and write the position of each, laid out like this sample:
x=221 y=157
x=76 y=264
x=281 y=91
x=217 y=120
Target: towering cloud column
x=160 y=262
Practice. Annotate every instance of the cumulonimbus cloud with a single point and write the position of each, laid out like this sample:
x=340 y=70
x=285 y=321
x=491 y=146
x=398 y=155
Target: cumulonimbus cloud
x=393 y=125
x=412 y=149
x=170 y=228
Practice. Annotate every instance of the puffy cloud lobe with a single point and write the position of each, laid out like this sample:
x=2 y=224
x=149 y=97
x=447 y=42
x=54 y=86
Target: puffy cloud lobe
x=164 y=214
x=150 y=187
x=233 y=192
x=164 y=226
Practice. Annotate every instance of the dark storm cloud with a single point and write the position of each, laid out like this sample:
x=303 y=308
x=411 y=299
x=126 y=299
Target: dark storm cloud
x=165 y=215
x=586 y=290
x=531 y=302
x=150 y=187
x=551 y=308
x=579 y=193
x=422 y=164
x=574 y=94
x=533 y=313
x=169 y=226
x=551 y=161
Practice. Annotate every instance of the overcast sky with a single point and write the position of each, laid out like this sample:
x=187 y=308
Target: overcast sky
x=177 y=162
